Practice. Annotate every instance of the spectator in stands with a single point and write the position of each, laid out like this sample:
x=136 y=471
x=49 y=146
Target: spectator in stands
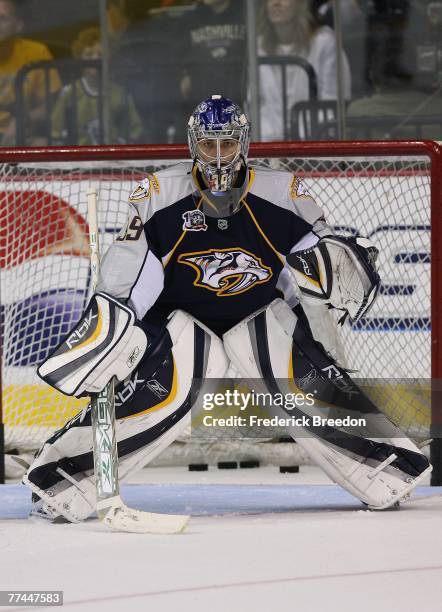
x=354 y=33
x=214 y=52
x=16 y=52
x=288 y=28
x=76 y=113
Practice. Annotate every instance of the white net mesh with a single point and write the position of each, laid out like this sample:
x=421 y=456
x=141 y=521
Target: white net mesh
x=45 y=273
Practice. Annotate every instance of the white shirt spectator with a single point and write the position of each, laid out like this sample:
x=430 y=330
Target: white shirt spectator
x=322 y=55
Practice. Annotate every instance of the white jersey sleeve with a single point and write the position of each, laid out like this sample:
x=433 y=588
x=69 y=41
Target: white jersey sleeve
x=132 y=269
x=131 y=259
x=307 y=208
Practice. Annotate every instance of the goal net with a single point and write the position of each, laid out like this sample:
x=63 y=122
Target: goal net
x=385 y=191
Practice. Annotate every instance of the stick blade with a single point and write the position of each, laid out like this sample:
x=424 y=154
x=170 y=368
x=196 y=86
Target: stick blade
x=122 y=518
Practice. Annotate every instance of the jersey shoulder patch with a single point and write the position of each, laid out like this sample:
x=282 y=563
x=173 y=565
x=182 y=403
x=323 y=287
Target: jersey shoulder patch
x=161 y=190
x=298 y=189
x=143 y=190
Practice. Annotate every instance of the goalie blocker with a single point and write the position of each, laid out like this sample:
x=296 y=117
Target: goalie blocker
x=106 y=342
x=340 y=272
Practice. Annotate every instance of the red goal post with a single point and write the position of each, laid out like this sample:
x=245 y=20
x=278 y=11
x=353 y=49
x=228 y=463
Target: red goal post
x=392 y=188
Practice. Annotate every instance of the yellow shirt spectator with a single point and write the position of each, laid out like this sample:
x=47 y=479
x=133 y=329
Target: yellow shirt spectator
x=23 y=51
x=16 y=52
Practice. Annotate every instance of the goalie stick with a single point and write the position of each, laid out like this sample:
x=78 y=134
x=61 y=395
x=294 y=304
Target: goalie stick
x=111 y=509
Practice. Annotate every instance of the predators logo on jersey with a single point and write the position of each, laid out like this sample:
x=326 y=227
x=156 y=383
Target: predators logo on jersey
x=143 y=190
x=226 y=271
x=298 y=189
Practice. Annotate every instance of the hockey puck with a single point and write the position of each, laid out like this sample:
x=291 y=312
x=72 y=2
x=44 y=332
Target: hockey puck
x=289 y=469
x=249 y=464
x=198 y=467
x=227 y=465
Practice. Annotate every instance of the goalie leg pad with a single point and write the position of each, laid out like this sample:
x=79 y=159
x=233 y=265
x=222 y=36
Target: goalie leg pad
x=379 y=466
x=152 y=410
x=105 y=343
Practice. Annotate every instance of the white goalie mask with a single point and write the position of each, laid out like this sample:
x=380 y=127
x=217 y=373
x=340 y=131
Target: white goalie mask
x=219 y=138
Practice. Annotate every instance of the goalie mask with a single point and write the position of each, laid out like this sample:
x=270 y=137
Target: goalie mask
x=219 y=138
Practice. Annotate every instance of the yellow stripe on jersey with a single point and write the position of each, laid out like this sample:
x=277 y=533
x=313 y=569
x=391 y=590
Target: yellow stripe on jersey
x=169 y=256
x=277 y=253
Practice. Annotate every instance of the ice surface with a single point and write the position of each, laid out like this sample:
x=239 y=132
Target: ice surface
x=257 y=541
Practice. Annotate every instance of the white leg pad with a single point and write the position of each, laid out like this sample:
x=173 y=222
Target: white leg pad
x=74 y=497
x=377 y=483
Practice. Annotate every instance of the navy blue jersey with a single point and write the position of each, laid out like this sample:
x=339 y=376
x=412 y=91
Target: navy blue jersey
x=172 y=255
